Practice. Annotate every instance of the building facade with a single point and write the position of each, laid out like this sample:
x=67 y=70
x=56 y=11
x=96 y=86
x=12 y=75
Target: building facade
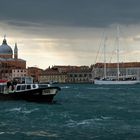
x=129 y=68
x=67 y=74
x=34 y=72
x=19 y=73
x=79 y=76
x=53 y=76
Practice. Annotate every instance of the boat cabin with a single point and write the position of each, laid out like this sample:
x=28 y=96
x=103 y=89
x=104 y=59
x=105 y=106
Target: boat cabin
x=23 y=80
x=24 y=87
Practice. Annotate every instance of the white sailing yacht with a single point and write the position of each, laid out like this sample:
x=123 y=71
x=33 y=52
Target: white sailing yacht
x=117 y=80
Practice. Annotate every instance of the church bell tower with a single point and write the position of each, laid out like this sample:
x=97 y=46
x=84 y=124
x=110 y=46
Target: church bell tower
x=15 y=52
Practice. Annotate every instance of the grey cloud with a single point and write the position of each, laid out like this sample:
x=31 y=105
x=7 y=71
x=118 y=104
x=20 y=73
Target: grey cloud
x=22 y=23
x=87 y=13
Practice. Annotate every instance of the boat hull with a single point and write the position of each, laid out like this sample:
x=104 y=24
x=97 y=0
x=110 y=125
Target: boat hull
x=109 y=82
x=35 y=95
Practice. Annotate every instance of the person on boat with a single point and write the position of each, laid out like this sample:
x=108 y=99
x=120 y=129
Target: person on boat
x=9 y=85
x=13 y=84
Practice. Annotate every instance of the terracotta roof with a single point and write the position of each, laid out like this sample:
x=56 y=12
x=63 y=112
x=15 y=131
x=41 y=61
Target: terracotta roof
x=52 y=72
x=122 y=65
x=79 y=71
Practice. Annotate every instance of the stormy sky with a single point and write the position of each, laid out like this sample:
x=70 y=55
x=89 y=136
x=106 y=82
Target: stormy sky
x=70 y=32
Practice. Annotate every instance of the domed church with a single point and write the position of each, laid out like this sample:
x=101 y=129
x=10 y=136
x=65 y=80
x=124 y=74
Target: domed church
x=9 y=61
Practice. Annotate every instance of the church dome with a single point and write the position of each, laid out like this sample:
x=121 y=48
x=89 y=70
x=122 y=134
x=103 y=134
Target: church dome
x=5 y=49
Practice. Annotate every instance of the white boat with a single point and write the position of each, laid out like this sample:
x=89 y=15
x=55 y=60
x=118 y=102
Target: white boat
x=118 y=80
x=115 y=82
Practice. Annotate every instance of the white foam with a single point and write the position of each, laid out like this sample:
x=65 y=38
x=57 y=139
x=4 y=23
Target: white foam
x=15 y=109
x=40 y=133
x=65 y=87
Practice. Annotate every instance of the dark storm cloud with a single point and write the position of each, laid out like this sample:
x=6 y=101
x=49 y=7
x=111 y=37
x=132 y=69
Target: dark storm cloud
x=87 y=13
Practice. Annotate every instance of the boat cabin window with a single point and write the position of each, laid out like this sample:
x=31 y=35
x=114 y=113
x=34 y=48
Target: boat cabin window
x=23 y=87
x=18 y=87
x=28 y=87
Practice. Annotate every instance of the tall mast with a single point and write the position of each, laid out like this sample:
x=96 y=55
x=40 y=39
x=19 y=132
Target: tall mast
x=105 y=58
x=118 y=51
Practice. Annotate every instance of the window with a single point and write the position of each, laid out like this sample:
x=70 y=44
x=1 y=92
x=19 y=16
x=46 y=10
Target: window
x=90 y=75
x=23 y=87
x=28 y=87
x=18 y=87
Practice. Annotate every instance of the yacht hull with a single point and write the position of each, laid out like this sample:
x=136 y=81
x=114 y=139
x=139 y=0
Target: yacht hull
x=109 y=82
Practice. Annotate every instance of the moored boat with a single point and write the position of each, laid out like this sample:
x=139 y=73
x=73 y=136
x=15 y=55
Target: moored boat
x=118 y=79
x=115 y=82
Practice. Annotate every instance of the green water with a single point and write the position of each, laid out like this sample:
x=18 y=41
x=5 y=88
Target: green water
x=80 y=112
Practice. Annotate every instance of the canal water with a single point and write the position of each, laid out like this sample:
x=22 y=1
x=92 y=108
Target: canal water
x=80 y=112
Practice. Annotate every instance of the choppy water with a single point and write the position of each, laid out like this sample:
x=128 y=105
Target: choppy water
x=81 y=112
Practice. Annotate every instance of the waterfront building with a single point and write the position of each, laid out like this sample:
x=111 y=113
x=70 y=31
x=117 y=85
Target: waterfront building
x=9 y=60
x=128 y=68
x=79 y=75
x=53 y=75
x=68 y=68
x=67 y=74
x=19 y=73
x=34 y=72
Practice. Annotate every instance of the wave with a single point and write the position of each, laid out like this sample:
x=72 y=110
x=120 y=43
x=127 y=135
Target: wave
x=100 y=87
x=15 y=109
x=65 y=87
x=29 y=111
x=87 y=122
x=31 y=133
x=73 y=123
x=91 y=88
x=41 y=133
x=22 y=110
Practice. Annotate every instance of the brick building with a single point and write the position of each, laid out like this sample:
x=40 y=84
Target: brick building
x=34 y=72
x=127 y=68
x=53 y=75
x=67 y=74
x=79 y=75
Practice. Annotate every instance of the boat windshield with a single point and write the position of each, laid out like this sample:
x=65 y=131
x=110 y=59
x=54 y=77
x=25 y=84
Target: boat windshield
x=3 y=88
x=21 y=87
x=24 y=80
